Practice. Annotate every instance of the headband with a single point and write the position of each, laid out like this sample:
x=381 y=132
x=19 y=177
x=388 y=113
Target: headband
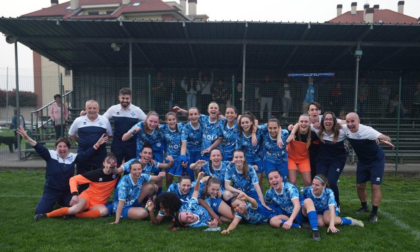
x=317 y=177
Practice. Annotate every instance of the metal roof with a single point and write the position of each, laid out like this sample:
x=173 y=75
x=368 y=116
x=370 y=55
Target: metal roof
x=162 y=44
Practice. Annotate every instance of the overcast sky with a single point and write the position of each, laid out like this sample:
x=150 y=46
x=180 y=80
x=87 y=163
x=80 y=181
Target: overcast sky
x=264 y=10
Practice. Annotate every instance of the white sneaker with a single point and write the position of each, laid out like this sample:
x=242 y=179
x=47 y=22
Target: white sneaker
x=355 y=222
x=338 y=209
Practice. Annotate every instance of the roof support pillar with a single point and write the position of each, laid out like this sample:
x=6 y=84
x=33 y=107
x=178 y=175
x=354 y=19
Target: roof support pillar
x=136 y=45
x=130 y=66
x=243 y=76
x=187 y=36
x=345 y=51
x=17 y=99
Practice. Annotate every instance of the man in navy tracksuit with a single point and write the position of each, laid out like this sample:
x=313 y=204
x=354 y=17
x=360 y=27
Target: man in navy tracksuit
x=86 y=130
x=125 y=115
x=371 y=163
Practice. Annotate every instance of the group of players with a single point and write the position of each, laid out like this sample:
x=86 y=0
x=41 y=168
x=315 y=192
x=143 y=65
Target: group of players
x=219 y=161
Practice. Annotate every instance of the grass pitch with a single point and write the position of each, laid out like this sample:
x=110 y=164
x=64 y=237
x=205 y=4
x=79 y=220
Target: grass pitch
x=398 y=228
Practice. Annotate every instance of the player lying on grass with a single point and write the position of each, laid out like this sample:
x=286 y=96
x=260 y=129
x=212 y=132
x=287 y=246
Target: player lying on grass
x=132 y=189
x=325 y=205
x=167 y=205
x=193 y=214
x=60 y=168
x=213 y=203
x=91 y=203
x=250 y=210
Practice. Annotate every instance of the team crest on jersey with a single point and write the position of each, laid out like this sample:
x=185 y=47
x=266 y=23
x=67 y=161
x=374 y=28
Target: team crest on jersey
x=100 y=179
x=133 y=114
x=100 y=123
x=118 y=113
x=114 y=176
x=358 y=136
x=158 y=144
x=84 y=123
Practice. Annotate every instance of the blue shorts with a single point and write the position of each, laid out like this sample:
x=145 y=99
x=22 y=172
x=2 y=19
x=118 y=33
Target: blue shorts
x=260 y=165
x=158 y=155
x=176 y=169
x=214 y=204
x=299 y=217
x=254 y=195
x=322 y=212
x=372 y=172
x=124 y=213
x=123 y=150
x=193 y=156
x=282 y=168
x=265 y=212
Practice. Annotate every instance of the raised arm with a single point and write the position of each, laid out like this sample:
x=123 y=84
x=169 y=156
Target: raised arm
x=293 y=133
x=22 y=132
x=279 y=140
x=197 y=185
x=166 y=165
x=197 y=165
x=180 y=110
x=131 y=133
x=82 y=156
x=159 y=177
x=150 y=206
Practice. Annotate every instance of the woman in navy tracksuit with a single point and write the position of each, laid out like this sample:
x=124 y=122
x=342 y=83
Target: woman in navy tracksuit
x=60 y=168
x=332 y=154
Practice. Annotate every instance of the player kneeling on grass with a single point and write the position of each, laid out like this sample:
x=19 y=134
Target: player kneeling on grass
x=101 y=184
x=325 y=205
x=290 y=205
x=193 y=214
x=249 y=209
x=131 y=190
x=213 y=203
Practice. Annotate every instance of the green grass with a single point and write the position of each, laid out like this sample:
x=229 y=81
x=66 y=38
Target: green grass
x=20 y=192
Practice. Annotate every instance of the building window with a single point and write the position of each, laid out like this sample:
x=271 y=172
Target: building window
x=67 y=72
x=109 y=12
x=92 y=13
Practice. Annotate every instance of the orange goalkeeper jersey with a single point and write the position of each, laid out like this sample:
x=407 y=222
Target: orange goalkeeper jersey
x=100 y=188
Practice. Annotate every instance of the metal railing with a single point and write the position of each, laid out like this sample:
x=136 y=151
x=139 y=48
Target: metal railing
x=40 y=118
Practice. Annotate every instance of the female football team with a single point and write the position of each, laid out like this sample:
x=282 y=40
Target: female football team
x=228 y=155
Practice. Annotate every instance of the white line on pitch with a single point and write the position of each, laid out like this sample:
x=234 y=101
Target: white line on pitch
x=401 y=224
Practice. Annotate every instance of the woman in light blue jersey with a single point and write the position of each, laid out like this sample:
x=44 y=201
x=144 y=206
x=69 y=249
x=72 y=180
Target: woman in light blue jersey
x=325 y=205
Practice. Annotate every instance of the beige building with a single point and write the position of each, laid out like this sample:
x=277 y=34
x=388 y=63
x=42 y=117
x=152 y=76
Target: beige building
x=47 y=72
